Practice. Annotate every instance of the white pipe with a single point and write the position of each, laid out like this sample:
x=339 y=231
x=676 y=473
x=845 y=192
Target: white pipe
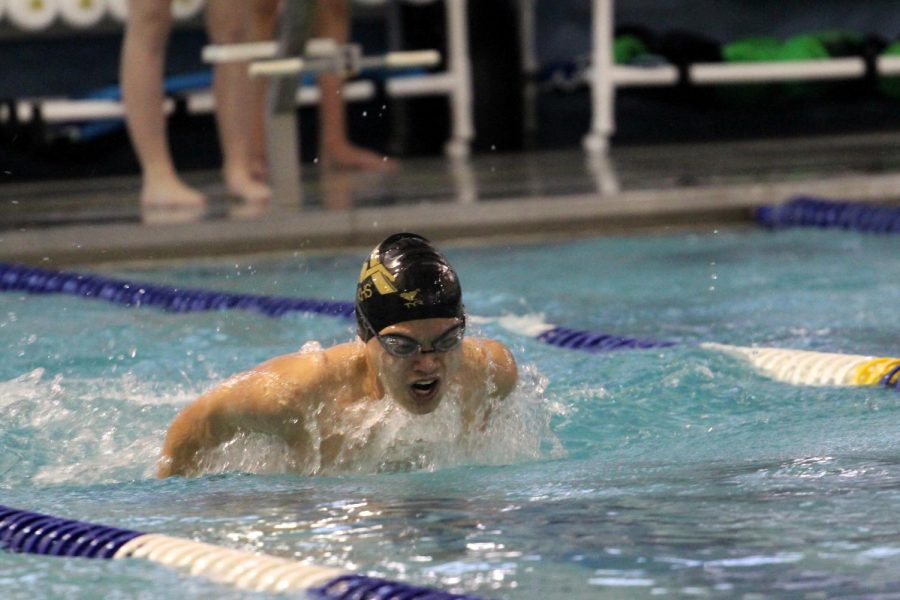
x=725 y=73
x=835 y=68
x=63 y=111
x=413 y=58
x=295 y=65
x=460 y=71
x=528 y=63
x=424 y=85
x=627 y=76
x=889 y=65
x=220 y=53
x=353 y=91
x=603 y=89
x=277 y=68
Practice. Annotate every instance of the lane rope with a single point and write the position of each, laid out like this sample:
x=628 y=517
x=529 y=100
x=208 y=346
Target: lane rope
x=807 y=367
x=34 y=280
x=804 y=211
x=35 y=533
x=791 y=366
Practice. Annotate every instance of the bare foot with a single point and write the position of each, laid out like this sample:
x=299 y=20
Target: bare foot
x=248 y=189
x=348 y=156
x=170 y=193
x=259 y=169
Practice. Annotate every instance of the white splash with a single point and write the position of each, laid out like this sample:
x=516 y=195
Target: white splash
x=63 y=430
x=379 y=436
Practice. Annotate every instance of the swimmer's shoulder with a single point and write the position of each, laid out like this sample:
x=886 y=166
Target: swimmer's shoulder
x=318 y=367
x=496 y=363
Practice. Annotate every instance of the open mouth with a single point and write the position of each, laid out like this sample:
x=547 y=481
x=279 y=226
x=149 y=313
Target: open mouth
x=425 y=389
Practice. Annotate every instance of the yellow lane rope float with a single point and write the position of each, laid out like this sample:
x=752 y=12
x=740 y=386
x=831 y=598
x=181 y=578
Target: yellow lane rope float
x=805 y=367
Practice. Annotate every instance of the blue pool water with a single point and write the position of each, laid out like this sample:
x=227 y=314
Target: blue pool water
x=637 y=474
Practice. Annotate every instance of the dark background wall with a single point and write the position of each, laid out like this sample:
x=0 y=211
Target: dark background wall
x=66 y=62
x=564 y=32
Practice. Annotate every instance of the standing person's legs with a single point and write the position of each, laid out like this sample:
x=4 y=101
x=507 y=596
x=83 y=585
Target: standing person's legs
x=141 y=75
x=266 y=14
x=228 y=22
x=335 y=148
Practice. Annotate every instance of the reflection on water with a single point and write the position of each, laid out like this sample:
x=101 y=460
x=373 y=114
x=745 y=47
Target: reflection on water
x=787 y=527
x=680 y=472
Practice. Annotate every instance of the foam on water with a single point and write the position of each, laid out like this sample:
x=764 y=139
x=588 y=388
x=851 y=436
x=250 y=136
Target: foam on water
x=64 y=429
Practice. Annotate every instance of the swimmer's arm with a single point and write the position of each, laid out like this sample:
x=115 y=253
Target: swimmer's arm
x=503 y=369
x=494 y=365
x=266 y=399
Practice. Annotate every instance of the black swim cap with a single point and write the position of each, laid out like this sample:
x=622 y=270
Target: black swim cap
x=405 y=278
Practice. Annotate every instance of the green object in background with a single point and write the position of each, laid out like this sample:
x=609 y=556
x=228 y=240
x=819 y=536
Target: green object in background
x=890 y=86
x=628 y=47
x=812 y=46
x=840 y=43
x=803 y=47
x=769 y=49
x=759 y=49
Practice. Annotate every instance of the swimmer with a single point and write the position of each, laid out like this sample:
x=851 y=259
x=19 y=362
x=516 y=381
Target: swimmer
x=412 y=351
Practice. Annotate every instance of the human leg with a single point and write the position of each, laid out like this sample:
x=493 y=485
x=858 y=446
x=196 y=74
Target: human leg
x=228 y=22
x=141 y=74
x=335 y=148
x=266 y=14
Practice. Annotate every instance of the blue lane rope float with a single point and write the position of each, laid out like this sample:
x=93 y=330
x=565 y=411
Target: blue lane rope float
x=805 y=211
x=33 y=280
x=891 y=378
x=35 y=533
x=792 y=366
x=596 y=342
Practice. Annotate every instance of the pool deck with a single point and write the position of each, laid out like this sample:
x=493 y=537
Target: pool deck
x=550 y=192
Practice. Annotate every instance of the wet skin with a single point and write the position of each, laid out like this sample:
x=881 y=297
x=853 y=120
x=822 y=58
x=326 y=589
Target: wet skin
x=417 y=383
x=284 y=396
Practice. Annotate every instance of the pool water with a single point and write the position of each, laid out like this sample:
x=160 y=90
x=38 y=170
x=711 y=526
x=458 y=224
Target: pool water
x=679 y=471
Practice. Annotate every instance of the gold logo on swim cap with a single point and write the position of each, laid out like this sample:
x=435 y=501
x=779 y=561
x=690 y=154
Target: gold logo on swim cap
x=411 y=300
x=380 y=276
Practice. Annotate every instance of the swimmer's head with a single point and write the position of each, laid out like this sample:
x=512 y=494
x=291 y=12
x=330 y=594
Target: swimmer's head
x=405 y=278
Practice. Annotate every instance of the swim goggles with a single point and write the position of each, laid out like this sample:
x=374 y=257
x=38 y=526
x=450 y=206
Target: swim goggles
x=403 y=346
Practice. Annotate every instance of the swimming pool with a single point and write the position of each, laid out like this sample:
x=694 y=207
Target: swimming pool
x=632 y=474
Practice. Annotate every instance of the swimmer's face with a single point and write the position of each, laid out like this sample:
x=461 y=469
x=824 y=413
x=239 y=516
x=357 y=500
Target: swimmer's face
x=418 y=381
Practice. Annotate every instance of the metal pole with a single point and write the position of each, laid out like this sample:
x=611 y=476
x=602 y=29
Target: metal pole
x=282 y=145
x=602 y=86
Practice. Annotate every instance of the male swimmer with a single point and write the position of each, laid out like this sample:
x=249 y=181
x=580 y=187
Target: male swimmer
x=411 y=350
